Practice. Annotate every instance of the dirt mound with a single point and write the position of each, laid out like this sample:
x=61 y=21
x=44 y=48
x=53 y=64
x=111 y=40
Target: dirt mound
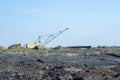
x=16 y=46
x=72 y=73
x=2 y=48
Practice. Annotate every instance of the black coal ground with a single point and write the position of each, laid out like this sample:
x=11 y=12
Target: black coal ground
x=56 y=66
x=75 y=60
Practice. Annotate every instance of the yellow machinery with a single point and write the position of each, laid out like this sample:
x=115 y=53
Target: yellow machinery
x=35 y=45
x=50 y=37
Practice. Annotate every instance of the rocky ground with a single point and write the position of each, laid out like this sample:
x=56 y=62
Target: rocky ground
x=62 y=64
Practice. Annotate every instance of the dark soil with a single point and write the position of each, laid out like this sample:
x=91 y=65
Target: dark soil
x=60 y=65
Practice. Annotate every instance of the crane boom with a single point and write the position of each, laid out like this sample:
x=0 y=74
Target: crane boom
x=38 y=44
x=53 y=36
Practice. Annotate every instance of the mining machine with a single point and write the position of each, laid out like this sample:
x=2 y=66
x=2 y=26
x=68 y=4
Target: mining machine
x=50 y=37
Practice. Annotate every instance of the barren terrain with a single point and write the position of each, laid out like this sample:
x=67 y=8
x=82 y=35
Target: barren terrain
x=62 y=64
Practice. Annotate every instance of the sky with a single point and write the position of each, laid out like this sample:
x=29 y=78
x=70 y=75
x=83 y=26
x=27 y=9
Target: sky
x=90 y=22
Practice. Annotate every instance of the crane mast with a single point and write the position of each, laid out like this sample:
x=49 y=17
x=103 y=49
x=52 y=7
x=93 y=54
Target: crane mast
x=38 y=44
x=53 y=36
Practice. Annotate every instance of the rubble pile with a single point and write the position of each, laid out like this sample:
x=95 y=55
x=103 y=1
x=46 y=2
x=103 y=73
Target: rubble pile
x=43 y=71
x=72 y=73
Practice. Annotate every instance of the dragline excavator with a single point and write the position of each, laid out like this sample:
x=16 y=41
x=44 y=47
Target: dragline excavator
x=38 y=44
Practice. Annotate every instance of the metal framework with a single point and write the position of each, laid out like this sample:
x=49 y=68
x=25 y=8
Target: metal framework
x=51 y=37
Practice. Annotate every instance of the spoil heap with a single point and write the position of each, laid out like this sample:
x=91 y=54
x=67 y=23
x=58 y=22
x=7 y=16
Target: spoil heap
x=2 y=49
x=16 y=46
